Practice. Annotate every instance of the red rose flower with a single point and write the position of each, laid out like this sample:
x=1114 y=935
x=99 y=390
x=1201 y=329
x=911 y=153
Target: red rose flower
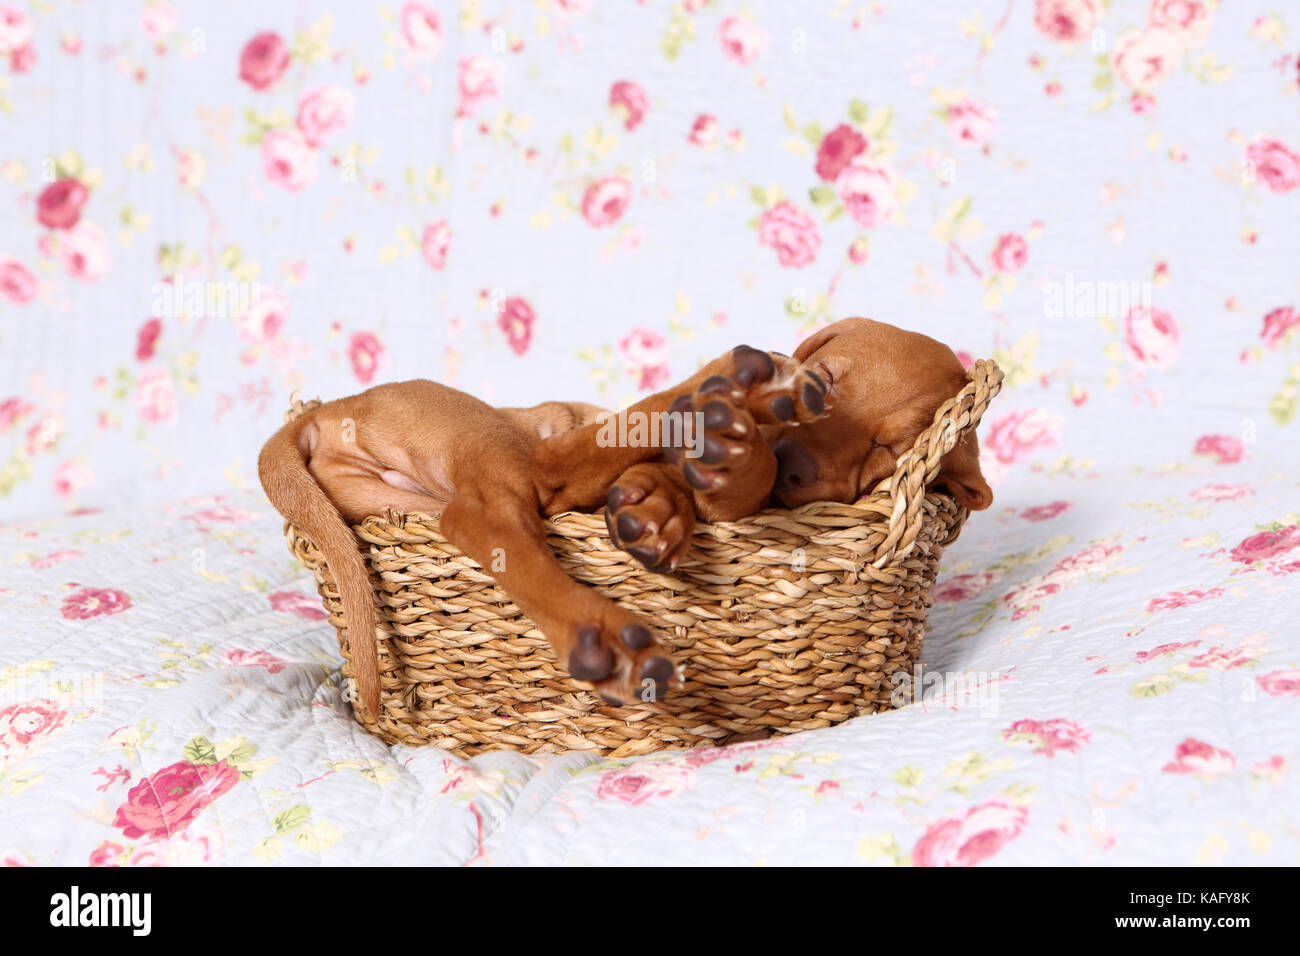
x=517 y=318
x=263 y=60
x=838 y=149
x=1267 y=544
x=59 y=204
x=147 y=339
x=168 y=800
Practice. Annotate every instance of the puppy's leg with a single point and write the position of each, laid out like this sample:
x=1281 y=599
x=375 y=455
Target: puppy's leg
x=596 y=639
x=574 y=470
x=733 y=469
x=650 y=514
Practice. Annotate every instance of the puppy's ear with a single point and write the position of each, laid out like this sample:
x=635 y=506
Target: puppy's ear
x=819 y=338
x=960 y=475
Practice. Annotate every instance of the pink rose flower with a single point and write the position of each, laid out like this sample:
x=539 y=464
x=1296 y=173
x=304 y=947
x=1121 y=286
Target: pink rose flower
x=27 y=726
x=436 y=243
x=1196 y=756
x=1017 y=435
x=323 y=112
x=221 y=514
x=86 y=253
x=970 y=839
x=516 y=320
x=1092 y=558
x=867 y=191
x=15 y=29
x=1051 y=736
x=838 y=148
x=86 y=603
x=1275 y=163
x=107 y=853
x=169 y=800
x=421 y=30
x=155 y=396
x=301 y=605
x=17 y=284
x=1285 y=683
x=23 y=59
x=631 y=99
x=71 y=477
x=1223 y=658
x=1045 y=512
x=1010 y=254
x=971 y=122
x=59 y=204
x=1267 y=544
x=1224 y=449
x=265 y=316
x=364 y=353
x=481 y=78
x=1176 y=599
x=54 y=557
x=704 y=131
x=1066 y=21
x=792 y=233
x=268 y=662
x=1189 y=20
x=158 y=19
x=645 y=355
x=1162 y=650
x=963 y=587
x=1152 y=337
x=606 y=200
x=644 y=781
x=1145 y=58
x=1277 y=325
x=1221 y=492
x=11 y=410
x=263 y=61
x=287 y=160
x=146 y=340
x=742 y=40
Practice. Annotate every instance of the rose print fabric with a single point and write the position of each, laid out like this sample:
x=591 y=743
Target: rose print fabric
x=584 y=200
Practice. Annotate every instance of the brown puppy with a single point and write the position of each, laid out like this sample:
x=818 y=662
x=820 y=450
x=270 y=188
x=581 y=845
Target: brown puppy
x=749 y=429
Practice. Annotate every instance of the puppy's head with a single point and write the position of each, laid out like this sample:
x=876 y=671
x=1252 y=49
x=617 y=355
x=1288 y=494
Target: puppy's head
x=884 y=385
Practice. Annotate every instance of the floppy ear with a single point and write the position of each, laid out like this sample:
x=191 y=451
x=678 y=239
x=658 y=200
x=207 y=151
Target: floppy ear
x=960 y=475
x=819 y=338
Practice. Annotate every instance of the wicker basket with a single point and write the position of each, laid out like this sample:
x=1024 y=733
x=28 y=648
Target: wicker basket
x=786 y=621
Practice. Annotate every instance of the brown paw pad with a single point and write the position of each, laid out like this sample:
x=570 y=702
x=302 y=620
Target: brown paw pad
x=751 y=365
x=590 y=659
x=655 y=675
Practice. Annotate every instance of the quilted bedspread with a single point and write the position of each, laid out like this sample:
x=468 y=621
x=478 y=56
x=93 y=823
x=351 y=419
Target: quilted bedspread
x=1115 y=679
x=209 y=206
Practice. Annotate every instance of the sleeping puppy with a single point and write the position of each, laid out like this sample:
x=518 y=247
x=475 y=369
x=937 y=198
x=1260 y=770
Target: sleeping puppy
x=748 y=430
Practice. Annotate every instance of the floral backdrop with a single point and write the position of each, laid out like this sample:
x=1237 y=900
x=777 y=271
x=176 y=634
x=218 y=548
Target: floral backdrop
x=210 y=206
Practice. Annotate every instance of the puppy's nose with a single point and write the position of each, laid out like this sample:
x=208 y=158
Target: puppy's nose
x=795 y=468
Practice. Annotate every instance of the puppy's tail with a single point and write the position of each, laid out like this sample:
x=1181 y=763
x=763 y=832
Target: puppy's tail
x=282 y=466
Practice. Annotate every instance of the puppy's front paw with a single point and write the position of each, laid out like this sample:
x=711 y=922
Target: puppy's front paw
x=650 y=515
x=621 y=660
x=774 y=388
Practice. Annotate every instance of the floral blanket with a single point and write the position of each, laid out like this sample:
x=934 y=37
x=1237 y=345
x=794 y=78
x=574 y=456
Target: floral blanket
x=586 y=199
x=1112 y=676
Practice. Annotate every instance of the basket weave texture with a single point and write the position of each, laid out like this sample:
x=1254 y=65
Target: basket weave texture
x=785 y=621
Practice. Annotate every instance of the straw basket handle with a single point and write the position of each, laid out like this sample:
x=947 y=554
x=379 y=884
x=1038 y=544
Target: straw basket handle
x=919 y=466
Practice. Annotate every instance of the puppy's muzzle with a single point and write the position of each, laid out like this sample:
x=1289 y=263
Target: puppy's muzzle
x=795 y=468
